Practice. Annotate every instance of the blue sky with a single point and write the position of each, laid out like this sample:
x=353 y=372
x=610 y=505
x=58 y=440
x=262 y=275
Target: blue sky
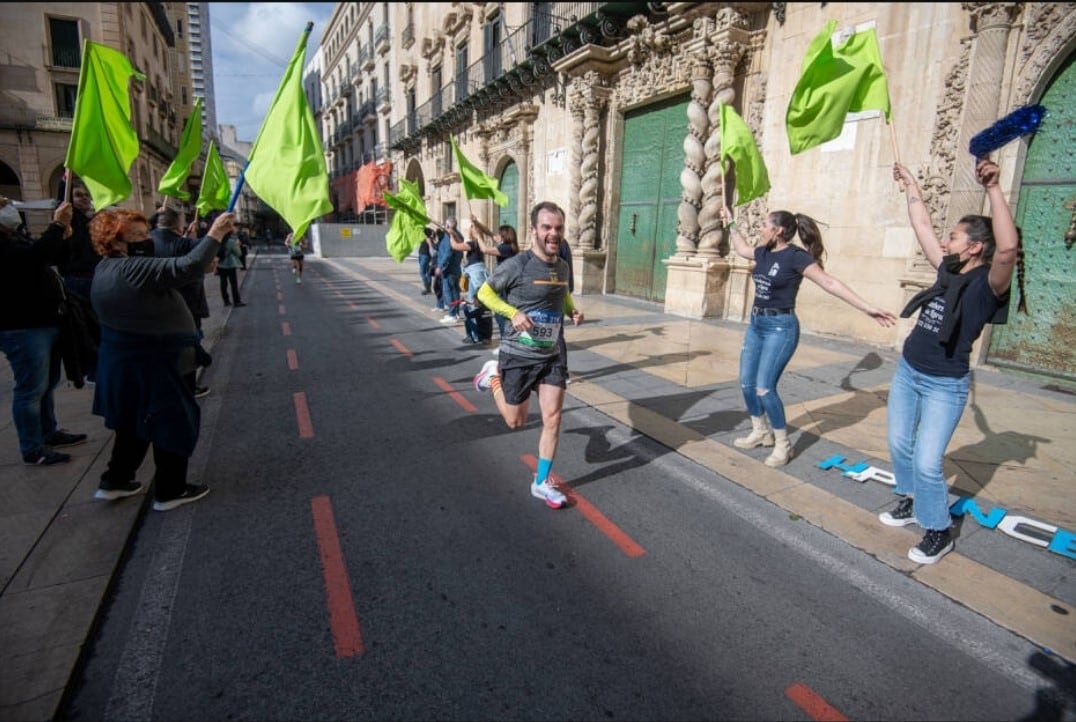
x=252 y=43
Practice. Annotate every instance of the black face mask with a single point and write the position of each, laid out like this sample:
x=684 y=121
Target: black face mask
x=952 y=262
x=140 y=248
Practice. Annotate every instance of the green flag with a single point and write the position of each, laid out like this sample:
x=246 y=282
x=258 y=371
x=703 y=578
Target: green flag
x=216 y=189
x=835 y=82
x=190 y=147
x=407 y=229
x=286 y=167
x=752 y=179
x=477 y=184
x=103 y=144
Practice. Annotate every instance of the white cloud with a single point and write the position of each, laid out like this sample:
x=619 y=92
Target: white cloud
x=252 y=43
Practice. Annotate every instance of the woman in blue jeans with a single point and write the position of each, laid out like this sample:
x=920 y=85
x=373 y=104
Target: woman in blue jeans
x=930 y=387
x=774 y=331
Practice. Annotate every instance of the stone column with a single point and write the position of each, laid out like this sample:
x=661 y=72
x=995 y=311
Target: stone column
x=992 y=23
x=725 y=56
x=576 y=105
x=691 y=177
x=597 y=94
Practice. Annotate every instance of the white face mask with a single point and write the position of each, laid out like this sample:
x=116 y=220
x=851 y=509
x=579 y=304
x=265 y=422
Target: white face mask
x=9 y=217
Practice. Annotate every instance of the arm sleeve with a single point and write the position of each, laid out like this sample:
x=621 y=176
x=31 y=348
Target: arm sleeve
x=569 y=305
x=495 y=303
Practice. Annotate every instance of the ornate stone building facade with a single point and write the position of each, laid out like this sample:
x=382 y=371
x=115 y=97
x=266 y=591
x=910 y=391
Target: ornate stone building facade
x=611 y=110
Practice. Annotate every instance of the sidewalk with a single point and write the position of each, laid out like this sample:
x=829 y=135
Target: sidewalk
x=59 y=547
x=667 y=377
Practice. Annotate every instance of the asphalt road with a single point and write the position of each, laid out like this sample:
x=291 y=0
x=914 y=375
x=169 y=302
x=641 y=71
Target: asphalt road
x=370 y=550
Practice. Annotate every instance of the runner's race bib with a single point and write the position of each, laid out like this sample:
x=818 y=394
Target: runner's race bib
x=546 y=331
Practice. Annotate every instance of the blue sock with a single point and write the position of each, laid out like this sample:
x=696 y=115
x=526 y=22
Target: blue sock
x=544 y=465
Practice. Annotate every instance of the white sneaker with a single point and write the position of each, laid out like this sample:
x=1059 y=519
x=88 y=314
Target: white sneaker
x=549 y=493
x=448 y=318
x=482 y=379
x=496 y=351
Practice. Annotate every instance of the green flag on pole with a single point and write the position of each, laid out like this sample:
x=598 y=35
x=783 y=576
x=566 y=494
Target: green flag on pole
x=286 y=167
x=407 y=229
x=737 y=142
x=834 y=82
x=103 y=144
x=216 y=189
x=190 y=147
x=477 y=184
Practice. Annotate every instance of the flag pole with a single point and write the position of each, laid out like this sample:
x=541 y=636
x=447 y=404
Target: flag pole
x=238 y=187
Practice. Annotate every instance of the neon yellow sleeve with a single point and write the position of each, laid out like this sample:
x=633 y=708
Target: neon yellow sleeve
x=569 y=305
x=495 y=303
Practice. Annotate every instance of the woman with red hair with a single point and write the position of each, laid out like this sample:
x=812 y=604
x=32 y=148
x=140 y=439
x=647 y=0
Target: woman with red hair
x=148 y=341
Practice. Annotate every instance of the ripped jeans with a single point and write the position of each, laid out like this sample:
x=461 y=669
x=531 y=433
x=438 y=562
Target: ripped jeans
x=768 y=345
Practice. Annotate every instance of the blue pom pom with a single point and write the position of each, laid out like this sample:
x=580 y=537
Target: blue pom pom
x=1020 y=122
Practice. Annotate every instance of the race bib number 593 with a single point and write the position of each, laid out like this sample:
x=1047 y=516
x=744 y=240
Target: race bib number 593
x=546 y=329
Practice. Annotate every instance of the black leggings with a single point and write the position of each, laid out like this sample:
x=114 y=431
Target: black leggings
x=229 y=276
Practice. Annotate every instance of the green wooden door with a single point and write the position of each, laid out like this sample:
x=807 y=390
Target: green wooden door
x=653 y=150
x=1044 y=340
x=509 y=185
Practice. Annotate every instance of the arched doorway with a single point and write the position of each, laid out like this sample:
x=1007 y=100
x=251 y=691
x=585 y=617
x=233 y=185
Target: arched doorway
x=10 y=187
x=1044 y=340
x=509 y=185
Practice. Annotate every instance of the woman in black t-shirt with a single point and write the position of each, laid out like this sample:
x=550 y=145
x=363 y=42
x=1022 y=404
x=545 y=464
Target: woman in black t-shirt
x=774 y=331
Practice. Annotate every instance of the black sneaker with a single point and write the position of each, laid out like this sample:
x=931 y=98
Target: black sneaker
x=936 y=544
x=901 y=515
x=110 y=491
x=60 y=438
x=193 y=492
x=45 y=458
x=200 y=391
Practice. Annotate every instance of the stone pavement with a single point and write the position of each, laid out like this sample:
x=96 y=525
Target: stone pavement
x=667 y=377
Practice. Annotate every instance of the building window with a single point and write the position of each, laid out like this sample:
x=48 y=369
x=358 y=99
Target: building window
x=179 y=28
x=65 y=99
x=462 y=90
x=183 y=94
x=65 y=45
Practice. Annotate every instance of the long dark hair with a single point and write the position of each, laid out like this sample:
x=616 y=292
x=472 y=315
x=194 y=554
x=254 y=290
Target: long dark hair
x=792 y=224
x=509 y=236
x=981 y=229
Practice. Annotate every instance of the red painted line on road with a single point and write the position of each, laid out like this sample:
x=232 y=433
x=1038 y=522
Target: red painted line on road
x=285 y=328
x=343 y=621
x=816 y=708
x=590 y=512
x=302 y=415
x=401 y=348
x=293 y=360
x=373 y=322
x=456 y=395
x=281 y=310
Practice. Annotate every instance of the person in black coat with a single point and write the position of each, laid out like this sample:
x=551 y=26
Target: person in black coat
x=31 y=299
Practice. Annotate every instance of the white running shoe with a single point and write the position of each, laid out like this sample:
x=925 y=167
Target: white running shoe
x=549 y=494
x=482 y=379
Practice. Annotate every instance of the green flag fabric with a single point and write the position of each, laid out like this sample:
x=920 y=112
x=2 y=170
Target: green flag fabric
x=835 y=82
x=190 y=147
x=477 y=184
x=407 y=229
x=216 y=188
x=286 y=167
x=737 y=142
x=103 y=144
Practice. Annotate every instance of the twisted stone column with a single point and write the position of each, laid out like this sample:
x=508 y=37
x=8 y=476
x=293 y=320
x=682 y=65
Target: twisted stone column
x=589 y=180
x=725 y=56
x=691 y=189
x=992 y=23
x=576 y=106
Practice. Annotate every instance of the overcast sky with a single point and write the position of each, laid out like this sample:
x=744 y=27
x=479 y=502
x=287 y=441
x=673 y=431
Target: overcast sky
x=252 y=43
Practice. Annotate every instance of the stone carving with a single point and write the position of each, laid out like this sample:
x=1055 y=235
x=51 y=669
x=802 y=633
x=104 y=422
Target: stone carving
x=589 y=177
x=726 y=56
x=1050 y=28
x=695 y=154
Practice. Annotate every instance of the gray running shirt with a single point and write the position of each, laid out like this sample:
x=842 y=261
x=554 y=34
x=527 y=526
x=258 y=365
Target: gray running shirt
x=539 y=290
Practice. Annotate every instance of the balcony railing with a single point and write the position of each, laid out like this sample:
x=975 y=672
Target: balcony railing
x=159 y=143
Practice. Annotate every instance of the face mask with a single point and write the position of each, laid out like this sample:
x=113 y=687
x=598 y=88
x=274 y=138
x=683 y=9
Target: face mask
x=952 y=262
x=140 y=248
x=9 y=217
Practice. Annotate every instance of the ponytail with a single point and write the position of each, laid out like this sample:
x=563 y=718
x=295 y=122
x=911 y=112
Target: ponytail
x=805 y=227
x=1021 y=306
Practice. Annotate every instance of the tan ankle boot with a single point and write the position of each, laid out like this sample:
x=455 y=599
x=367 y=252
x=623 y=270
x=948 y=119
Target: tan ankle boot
x=761 y=434
x=782 y=449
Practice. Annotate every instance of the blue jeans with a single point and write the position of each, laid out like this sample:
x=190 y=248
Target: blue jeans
x=476 y=276
x=424 y=271
x=35 y=360
x=450 y=283
x=922 y=413
x=768 y=345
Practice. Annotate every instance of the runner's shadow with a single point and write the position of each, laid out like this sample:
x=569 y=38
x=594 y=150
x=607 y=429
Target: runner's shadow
x=847 y=412
x=976 y=464
x=599 y=451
